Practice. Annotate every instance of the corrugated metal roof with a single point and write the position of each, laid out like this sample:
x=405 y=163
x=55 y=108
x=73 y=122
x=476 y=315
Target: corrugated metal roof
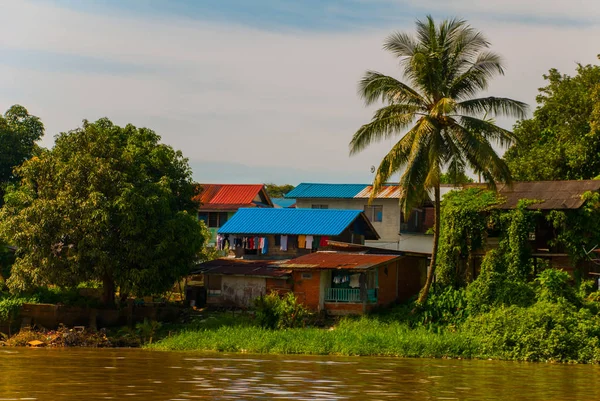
x=386 y=192
x=329 y=191
x=554 y=194
x=296 y=222
x=333 y=260
x=283 y=202
x=233 y=195
x=241 y=267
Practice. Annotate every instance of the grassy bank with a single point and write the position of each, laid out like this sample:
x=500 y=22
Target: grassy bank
x=365 y=336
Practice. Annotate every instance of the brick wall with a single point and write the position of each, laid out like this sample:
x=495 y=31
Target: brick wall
x=341 y=309
x=388 y=282
x=429 y=218
x=412 y=272
x=307 y=290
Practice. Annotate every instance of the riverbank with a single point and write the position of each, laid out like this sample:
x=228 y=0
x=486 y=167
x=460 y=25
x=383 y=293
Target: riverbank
x=543 y=332
x=365 y=336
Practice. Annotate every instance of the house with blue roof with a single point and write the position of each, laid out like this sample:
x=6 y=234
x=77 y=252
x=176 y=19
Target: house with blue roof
x=288 y=232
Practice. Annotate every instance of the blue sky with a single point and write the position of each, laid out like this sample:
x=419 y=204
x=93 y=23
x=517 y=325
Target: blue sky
x=255 y=91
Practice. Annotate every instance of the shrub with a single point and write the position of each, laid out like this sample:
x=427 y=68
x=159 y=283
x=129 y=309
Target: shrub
x=447 y=306
x=496 y=287
x=275 y=312
x=546 y=331
x=553 y=285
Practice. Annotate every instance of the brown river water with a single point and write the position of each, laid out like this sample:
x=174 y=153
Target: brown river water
x=124 y=374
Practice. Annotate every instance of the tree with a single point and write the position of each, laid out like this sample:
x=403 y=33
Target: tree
x=278 y=191
x=19 y=131
x=562 y=140
x=436 y=114
x=106 y=203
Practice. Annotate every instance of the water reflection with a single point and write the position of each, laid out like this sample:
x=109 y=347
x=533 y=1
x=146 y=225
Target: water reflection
x=85 y=374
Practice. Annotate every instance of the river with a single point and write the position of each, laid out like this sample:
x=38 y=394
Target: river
x=129 y=374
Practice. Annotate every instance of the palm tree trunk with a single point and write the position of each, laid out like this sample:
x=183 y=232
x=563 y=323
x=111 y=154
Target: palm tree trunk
x=436 y=239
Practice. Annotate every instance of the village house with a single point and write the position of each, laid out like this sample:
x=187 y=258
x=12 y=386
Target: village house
x=550 y=195
x=350 y=283
x=219 y=202
x=286 y=233
x=235 y=282
x=396 y=231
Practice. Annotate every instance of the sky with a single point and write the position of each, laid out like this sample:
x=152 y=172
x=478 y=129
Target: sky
x=257 y=91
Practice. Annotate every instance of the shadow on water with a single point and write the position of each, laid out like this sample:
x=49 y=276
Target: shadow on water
x=100 y=374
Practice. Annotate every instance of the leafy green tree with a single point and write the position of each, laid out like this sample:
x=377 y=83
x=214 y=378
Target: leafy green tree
x=107 y=203
x=435 y=111
x=562 y=140
x=457 y=178
x=278 y=191
x=19 y=131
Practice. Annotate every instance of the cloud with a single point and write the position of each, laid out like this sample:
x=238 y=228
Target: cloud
x=231 y=94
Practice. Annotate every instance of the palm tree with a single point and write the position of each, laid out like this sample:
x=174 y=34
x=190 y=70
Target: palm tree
x=434 y=111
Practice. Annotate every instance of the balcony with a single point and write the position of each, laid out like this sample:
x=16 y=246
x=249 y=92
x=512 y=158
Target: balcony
x=349 y=295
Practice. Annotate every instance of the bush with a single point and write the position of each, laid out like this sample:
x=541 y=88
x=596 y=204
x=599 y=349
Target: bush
x=275 y=312
x=553 y=285
x=495 y=287
x=546 y=331
x=444 y=307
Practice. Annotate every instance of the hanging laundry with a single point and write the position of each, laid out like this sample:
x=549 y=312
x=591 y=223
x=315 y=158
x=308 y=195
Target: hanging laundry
x=309 y=241
x=284 y=242
x=256 y=242
x=265 y=247
x=301 y=241
x=324 y=241
x=316 y=242
x=261 y=243
x=355 y=281
x=251 y=243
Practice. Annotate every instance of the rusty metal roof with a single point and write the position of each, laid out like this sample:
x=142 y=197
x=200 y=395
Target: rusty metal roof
x=552 y=194
x=386 y=192
x=242 y=267
x=230 y=196
x=334 y=260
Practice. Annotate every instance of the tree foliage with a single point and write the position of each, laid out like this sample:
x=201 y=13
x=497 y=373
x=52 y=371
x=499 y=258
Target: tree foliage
x=107 y=203
x=436 y=113
x=562 y=140
x=19 y=131
x=278 y=191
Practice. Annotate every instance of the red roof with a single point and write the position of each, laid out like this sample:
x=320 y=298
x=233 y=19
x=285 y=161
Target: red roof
x=242 y=267
x=228 y=196
x=332 y=260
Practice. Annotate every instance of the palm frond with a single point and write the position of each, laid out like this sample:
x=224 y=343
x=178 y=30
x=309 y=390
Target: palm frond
x=375 y=86
x=499 y=106
x=480 y=154
x=386 y=122
x=488 y=130
x=476 y=78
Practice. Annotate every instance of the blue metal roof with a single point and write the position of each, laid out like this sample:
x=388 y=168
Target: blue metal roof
x=283 y=202
x=252 y=221
x=312 y=190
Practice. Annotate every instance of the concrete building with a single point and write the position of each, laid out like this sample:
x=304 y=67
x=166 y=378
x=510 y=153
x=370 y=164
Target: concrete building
x=396 y=231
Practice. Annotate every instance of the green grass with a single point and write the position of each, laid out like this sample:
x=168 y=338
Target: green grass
x=364 y=336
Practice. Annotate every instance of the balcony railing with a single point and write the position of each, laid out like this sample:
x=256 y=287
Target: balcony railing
x=350 y=295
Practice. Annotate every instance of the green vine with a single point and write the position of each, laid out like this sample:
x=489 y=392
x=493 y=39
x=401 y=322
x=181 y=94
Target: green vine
x=465 y=217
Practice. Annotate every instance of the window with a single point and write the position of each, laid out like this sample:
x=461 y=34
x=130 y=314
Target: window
x=320 y=206
x=203 y=216
x=306 y=276
x=414 y=222
x=213 y=219
x=374 y=213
